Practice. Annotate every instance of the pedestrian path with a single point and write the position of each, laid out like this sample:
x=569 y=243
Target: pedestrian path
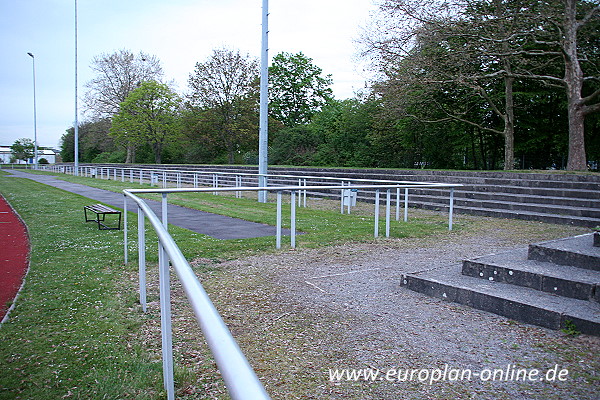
x=213 y=225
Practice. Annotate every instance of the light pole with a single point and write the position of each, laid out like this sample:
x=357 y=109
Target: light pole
x=76 y=127
x=35 y=151
x=264 y=105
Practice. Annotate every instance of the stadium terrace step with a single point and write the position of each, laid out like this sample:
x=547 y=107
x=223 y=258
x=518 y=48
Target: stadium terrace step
x=577 y=251
x=513 y=285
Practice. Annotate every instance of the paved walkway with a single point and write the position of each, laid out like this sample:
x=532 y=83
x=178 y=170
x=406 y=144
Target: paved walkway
x=214 y=225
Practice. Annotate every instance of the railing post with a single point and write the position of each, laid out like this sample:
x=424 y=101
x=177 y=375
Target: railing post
x=165 y=323
x=397 y=204
x=405 y=204
x=278 y=239
x=125 y=231
x=451 y=209
x=142 y=257
x=342 y=196
x=165 y=310
x=293 y=219
x=376 y=213
x=387 y=212
x=304 y=193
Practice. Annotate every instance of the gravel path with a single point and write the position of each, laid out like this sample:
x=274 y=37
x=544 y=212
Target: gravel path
x=298 y=314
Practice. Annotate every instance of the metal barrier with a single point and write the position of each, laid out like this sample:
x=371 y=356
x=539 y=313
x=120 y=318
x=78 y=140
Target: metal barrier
x=239 y=377
x=216 y=179
x=242 y=382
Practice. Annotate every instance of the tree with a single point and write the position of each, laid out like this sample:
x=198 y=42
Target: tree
x=150 y=114
x=479 y=43
x=224 y=93
x=117 y=75
x=569 y=26
x=94 y=140
x=297 y=89
x=23 y=149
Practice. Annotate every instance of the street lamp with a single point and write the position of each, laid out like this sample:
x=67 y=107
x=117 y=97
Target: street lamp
x=35 y=154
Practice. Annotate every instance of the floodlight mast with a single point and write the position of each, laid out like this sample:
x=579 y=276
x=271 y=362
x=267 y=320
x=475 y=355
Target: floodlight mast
x=264 y=105
x=76 y=127
x=35 y=147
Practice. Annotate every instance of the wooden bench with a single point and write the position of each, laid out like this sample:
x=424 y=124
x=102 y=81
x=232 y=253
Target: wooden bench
x=101 y=211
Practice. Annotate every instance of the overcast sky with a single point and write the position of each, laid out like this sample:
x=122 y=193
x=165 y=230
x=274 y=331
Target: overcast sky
x=179 y=32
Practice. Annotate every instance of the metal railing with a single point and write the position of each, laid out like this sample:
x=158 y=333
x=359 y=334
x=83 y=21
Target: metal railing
x=239 y=376
x=240 y=379
x=195 y=178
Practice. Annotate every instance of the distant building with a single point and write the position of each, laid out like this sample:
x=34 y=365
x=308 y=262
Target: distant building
x=48 y=154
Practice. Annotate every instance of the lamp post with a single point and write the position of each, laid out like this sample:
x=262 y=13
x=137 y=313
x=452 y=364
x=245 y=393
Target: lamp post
x=35 y=151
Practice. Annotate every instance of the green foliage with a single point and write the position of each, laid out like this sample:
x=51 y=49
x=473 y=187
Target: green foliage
x=23 y=149
x=149 y=115
x=94 y=140
x=297 y=89
x=570 y=329
x=222 y=113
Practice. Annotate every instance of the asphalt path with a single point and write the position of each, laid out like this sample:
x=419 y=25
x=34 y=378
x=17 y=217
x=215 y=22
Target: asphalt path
x=213 y=225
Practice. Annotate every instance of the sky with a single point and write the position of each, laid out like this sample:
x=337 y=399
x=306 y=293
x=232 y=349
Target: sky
x=179 y=32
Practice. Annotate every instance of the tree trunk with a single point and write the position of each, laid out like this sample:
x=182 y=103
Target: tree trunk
x=130 y=159
x=509 y=125
x=574 y=83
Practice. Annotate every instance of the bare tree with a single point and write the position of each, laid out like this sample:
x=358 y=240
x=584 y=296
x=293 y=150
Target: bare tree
x=224 y=89
x=117 y=75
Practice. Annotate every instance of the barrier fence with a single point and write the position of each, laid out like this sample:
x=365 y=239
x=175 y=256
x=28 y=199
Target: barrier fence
x=239 y=377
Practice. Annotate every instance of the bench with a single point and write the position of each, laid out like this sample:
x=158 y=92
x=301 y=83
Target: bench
x=101 y=211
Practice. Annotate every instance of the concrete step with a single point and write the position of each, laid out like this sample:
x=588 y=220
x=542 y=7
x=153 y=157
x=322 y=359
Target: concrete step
x=515 y=302
x=519 y=198
x=577 y=251
x=513 y=267
x=503 y=202
x=512 y=214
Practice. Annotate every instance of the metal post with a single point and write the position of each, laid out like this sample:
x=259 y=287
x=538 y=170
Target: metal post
x=405 y=204
x=376 y=213
x=264 y=107
x=342 y=196
x=165 y=323
x=387 y=213
x=278 y=240
x=451 y=209
x=142 y=257
x=125 y=244
x=397 y=204
x=304 y=193
x=293 y=219
x=76 y=125
x=165 y=310
x=164 y=211
x=35 y=149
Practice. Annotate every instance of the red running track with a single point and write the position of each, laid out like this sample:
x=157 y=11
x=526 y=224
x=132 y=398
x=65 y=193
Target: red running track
x=14 y=255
